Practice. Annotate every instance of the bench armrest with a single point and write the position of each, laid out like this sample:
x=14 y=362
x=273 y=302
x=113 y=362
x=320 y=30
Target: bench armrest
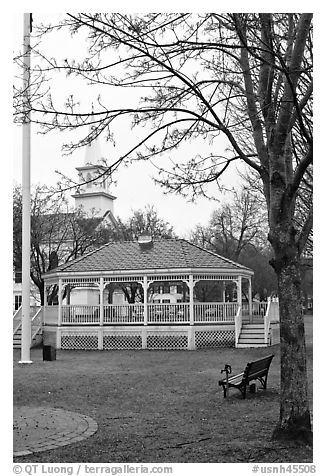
x=231 y=379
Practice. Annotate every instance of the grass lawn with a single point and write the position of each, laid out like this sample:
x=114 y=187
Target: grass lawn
x=156 y=406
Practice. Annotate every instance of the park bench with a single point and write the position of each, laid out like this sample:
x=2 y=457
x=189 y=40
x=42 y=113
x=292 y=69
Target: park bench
x=256 y=370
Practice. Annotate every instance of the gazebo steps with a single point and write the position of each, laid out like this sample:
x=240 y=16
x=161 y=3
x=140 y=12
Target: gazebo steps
x=252 y=335
x=17 y=340
x=252 y=328
x=252 y=320
x=251 y=345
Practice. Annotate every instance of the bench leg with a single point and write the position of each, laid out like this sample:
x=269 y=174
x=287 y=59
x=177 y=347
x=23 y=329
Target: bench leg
x=243 y=391
x=263 y=381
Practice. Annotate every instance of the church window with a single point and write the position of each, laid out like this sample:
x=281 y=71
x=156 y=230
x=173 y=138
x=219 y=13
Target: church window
x=18 y=301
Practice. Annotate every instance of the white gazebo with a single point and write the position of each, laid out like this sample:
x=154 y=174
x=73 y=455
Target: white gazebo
x=148 y=294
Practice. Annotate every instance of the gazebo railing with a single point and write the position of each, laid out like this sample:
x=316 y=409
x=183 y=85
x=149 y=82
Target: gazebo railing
x=215 y=312
x=163 y=313
x=168 y=313
x=80 y=314
x=123 y=314
x=259 y=309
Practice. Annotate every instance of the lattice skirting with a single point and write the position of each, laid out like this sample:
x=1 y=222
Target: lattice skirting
x=206 y=339
x=73 y=340
x=158 y=338
x=167 y=340
x=122 y=340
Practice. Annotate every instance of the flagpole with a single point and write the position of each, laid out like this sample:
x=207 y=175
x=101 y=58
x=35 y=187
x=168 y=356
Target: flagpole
x=26 y=203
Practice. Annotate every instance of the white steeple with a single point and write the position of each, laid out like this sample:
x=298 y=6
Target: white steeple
x=93 y=152
x=93 y=193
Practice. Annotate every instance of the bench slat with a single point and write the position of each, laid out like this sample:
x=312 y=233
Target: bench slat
x=255 y=368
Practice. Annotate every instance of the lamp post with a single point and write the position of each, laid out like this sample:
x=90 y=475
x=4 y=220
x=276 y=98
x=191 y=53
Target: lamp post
x=26 y=206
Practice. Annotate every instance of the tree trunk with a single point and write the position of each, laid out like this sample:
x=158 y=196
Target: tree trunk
x=41 y=291
x=294 y=423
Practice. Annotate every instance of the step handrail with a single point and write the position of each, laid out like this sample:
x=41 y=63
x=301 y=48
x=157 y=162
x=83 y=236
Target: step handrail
x=39 y=326
x=17 y=318
x=238 y=324
x=17 y=328
x=17 y=312
x=267 y=321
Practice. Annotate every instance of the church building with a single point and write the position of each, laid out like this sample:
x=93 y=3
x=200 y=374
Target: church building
x=92 y=197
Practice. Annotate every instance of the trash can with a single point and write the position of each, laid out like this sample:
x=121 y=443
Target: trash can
x=252 y=388
x=49 y=352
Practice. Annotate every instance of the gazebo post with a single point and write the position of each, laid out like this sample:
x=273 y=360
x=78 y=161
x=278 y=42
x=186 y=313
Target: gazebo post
x=191 y=300
x=101 y=287
x=191 y=341
x=100 y=331
x=239 y=292
x=45 y=302
x=144 y=330
x=250 y=298
x=60 y=302
x=145 y=287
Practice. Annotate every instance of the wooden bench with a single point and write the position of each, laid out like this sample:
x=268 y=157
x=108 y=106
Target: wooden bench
x=257 y=370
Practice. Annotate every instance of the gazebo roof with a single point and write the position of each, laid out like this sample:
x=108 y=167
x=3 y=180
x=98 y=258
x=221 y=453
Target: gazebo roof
x=162 y=254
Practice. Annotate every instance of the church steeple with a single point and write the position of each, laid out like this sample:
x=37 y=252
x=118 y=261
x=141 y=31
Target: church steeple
x=93 y=193
x=93 y=152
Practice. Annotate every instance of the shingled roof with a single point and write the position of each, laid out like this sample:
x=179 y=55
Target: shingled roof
x=162 y=254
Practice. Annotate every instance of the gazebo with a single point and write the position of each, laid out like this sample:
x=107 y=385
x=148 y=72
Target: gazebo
x=151 y=294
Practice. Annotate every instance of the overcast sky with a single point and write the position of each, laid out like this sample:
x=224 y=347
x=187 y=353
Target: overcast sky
x=134 y=187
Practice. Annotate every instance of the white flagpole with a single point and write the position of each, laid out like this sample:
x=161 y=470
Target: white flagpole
x=26 y=211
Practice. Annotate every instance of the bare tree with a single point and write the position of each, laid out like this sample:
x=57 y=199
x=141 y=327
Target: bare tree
x=58 y=234
x=252 y=182
x=238 y=230
x=244 y=77
x=145 y=221
x=234 y=226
